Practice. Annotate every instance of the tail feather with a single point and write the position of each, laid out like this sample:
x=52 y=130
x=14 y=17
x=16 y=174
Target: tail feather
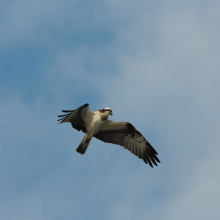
x=83 y=145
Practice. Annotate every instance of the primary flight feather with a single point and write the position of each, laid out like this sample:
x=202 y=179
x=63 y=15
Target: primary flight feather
x=96 y=124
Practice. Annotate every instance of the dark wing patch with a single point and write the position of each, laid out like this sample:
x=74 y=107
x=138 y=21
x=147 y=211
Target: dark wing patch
x=74 y=117
x=131 y=139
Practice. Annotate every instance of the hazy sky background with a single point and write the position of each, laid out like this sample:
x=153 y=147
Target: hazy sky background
x=156 y=64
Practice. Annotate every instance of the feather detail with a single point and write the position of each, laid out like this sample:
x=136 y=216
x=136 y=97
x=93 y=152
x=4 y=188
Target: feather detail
x=126 y=135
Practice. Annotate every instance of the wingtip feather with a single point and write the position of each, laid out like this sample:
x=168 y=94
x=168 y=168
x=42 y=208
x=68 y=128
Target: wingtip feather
x=66 y=111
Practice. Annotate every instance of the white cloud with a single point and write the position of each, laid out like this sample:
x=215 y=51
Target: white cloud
x=164 y=66
x=176 y=87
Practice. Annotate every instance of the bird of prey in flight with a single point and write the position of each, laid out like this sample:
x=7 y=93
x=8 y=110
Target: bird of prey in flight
x=96 y=124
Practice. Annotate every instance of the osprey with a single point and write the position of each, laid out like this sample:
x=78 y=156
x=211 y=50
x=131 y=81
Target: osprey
x=96 y=124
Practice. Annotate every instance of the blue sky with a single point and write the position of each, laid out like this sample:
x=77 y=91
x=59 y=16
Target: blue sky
x=154 y=63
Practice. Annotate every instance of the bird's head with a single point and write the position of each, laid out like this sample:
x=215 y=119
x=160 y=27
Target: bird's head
x=106 y=111
x=109 y=111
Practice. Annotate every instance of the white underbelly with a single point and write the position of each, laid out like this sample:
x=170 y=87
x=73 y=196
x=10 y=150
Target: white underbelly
x=94 y=125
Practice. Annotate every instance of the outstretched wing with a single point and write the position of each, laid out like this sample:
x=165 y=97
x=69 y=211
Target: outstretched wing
x=75 y=117
x=126 y=135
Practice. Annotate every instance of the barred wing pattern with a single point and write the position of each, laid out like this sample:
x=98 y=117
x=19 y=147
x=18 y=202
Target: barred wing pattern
x=74 y=117
x=126 y=135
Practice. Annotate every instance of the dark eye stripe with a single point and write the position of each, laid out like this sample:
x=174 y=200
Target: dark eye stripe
x=104 y=110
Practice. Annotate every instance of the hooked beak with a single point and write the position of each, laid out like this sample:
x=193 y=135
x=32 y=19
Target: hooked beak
x=111 y=113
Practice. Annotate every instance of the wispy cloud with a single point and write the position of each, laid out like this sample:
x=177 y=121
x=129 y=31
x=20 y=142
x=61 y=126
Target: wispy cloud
x=156 y=64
